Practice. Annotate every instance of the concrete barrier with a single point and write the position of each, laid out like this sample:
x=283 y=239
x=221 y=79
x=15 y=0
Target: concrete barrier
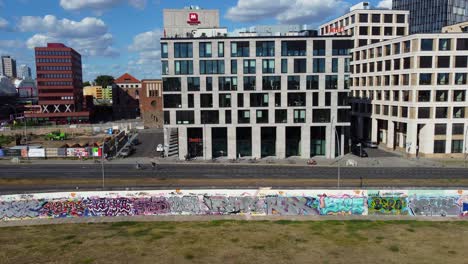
x=262 y=202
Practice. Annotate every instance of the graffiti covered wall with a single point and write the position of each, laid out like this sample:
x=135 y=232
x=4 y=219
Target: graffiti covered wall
x=228 y=202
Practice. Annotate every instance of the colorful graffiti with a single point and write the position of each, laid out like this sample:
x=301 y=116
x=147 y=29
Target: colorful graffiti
x=228 y=202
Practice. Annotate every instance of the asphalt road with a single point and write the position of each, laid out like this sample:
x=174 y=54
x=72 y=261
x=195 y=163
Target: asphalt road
x=149 y=139
x=220 y=171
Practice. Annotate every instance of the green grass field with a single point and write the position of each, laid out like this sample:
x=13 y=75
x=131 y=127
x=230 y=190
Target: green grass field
x=238 y=242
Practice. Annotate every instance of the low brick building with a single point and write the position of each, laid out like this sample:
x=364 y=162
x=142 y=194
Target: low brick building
x=126 y=97
x=151 y=104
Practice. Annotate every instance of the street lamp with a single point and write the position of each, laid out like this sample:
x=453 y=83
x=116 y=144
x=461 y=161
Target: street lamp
x=102 y=163
x=465 y=147
x=339 y=150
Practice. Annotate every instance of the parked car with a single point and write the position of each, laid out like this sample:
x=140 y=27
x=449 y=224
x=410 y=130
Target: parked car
x=160 y=148
x=125 y=152
x=356 y=150
x=135 y=142
x=370 y=144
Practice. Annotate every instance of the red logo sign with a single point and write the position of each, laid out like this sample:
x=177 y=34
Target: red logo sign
x=193 y=19
x=336 y=29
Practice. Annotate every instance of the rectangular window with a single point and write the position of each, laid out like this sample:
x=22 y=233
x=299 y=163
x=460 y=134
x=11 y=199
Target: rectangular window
x=388 y=18
x=425 y=78
x=444 y=44
x=317 y=141
x=227 y=117
x=233 y=66
x=284 y=65
x=296 y=99
x=335 y=65
x=167 y=117
x=312 y=82
x=193 y=83
x=227 y=83
x=165 y=67
x=191 y=101
x=319 y=47
x=171 y=84
x=220 y=49
x=363 y=31
x=209 y=83
x=462 y=44
x=243 y=116
x=172 y=100
x=321 y=116
x=183 y=67
x=457 y=146
x=375 y=31
x=209 y=116
x=164 y=50
x=262 y=116
x=294 y=82
x=459 y=96
x=427 y=44
x=457 y=129
x=249 y=66
x=331 y=82
x=300 y=65
x=441 y=112
x=441 y=96
x=442 y=78
x=240 y=100
x=439 y=146
x=424 y=96
x=268 y=66
x=318 y=65
x=265 y=48
x=206 y=100
x=375 y=18
x=443 y=61
x=339 y=47
x=240 y=49
x=400 y=18
x=249 y=83
x=461 y=61
x=183 y=50
x=211 y=66
x=204 y=49
x=281 y=116
x=224 y=100
x=293 y=48
x=259 y=100
x=425 y=62
x=299 y=115
x=271 y=82
x=185 y=117
x=424 y=112
x=278 y=99
x=459 y=112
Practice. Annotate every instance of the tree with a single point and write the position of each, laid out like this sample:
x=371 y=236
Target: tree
x=86 y=84
x=104 y=80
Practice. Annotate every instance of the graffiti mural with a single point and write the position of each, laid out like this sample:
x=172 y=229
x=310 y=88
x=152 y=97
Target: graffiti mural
x=235 y=202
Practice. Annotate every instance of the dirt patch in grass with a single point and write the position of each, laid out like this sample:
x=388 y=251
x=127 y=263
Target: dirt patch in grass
x=237 y=242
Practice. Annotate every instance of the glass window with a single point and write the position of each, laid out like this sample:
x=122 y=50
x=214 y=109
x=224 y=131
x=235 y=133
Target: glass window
x=443 y=61
x=460 y=78
x=459 y=96
x=259 y=100
x=424 y=96
x=171 y=84
x=335 y=65
x=425 y=79
x=441 y=112
x=278 y=99
x=164 y=50
x=249 y=66
x=319 y=47
x=400 y=18
x=209 y=83
x=321 y=116
x=442 y=78
x=265 y=48
x=185 y=117
x=204 y=49
x=300 y=65
x=441 y=96
x=224 y=100
x=424 y=112
x=331 y=82
x=240 y=100
x=375 y=18
x=211 y=66
x=227 y=116
x=281 y=116
x=233 y=66
x=262 y=116
x=294 y=82
x=209 y=116
x=339 y=47
x=425 y=62
x=183 y=67
x=462 y=44
x=191 y=100
x=220 y=49
x=457 y=146
x=271 y=82
x=227 y=83
x=388 y=18
x=427 y=44
x=461 y=61
x=363 y=18
x=299 y=115
x=183 y=50
x=439 y=146
x=459 y=112
x=268 y=66
x=172 y=100
x=318 y=65
x=206 y=100
x=293 y=48
x=193 y=83
x=165 y=67
x=243 y=116
x=249 y=83
x=284 y=65
x=312 y=82
x=363 y=31
x=240 y=49
x=444 y=44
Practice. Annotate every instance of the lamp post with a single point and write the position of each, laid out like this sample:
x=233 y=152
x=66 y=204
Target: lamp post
x=102 y=163
x=465 y=147
x=339 y=150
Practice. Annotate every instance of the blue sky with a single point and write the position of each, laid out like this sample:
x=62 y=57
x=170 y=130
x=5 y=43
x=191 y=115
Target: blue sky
x=118 y=36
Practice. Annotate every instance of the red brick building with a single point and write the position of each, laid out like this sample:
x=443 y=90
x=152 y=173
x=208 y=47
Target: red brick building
x=59 y=84
x=126 y=97
x=151 y=103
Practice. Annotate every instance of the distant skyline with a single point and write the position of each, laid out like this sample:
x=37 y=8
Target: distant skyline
x=118 y=36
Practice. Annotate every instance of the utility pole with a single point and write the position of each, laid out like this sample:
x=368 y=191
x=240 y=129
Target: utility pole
x=102 y=163
x=465 y=148
x=339 y=150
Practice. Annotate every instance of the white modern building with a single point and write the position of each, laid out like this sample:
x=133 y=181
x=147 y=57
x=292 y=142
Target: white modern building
x=8 y=67
x=24 y=72
x=409 y=94
x=256 y=97
x=368 y=25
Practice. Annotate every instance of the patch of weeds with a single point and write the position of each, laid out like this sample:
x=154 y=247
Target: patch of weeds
x=123 y=224
x=453 y=252
x=394 y=248
x=301 y=240
x=69 y=237
x=165 y=225
x=160 y=235
x=258 y=247
x=379 y=237
x=286 y=222
x=189 y=256
x=410 y=230
x=234 y=240
x=141 y=232
x=87 y=261
x=219 y=222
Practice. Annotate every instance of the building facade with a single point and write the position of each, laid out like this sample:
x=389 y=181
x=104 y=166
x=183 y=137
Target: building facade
x=25 y=72
x=59 y=84
x=368 y=26
x=256 y=96
x=429 y=16
x=98 y=92
x=182 y=23
x=151 y=103
x=409 y=94
x=126 y=97
x=8 y=67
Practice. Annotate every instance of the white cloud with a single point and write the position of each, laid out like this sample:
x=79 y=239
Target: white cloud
x=87 y=27
x=90 y=36
x=385 y=4
x=16 y=44
x=148 y=63
x=3 y=23
x=286 y=11
x=74 y=5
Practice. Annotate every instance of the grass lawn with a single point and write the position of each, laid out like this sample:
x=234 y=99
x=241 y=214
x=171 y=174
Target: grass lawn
x=238 y=242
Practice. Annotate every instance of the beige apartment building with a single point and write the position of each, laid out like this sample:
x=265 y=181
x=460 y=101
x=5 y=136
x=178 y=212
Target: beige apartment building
x=409 y=94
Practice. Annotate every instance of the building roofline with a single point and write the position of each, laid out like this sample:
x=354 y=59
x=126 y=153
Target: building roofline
x=357 y=11
x=259 y=37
